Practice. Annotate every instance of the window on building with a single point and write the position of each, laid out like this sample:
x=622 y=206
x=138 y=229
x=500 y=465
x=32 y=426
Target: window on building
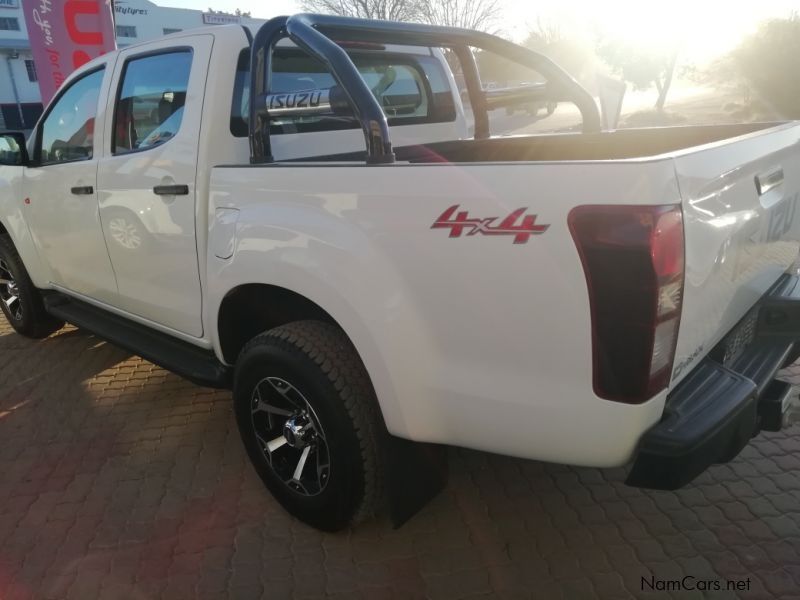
x=68 y=131
x=168 y=30
x=9 y=24
x=128 y=31
x=30 y=67
x=150 y=101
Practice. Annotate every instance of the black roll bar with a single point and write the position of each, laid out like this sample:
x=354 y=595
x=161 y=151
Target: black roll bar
x=315 y=35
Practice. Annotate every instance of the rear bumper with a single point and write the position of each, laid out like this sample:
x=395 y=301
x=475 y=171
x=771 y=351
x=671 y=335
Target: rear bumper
x=715 y=411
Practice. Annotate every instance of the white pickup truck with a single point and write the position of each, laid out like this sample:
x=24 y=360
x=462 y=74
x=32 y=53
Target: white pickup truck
x=309 y=222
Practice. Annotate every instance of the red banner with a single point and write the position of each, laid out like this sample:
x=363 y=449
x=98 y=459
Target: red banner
x=65 y=34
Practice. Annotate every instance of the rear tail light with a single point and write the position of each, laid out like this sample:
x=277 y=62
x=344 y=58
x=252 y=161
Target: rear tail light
x=633 y=261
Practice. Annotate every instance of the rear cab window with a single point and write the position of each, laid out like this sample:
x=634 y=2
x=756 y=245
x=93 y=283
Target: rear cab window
x=149 y=107
x=411 y=89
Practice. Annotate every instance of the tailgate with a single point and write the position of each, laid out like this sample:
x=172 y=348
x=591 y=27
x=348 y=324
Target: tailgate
x=741 y=228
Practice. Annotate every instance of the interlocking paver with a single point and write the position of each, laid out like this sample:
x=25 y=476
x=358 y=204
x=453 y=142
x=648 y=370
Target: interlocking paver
x=120 y=480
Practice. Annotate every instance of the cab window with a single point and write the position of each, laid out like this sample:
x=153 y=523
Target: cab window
x=67 y=133
x=410 y=88
x=151 y=99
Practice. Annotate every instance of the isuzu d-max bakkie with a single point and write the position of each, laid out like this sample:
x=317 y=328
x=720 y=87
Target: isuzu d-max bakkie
x=306 y=217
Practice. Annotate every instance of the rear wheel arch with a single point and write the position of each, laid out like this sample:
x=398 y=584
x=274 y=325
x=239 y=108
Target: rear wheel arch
x=248 y=310
x=251 y=309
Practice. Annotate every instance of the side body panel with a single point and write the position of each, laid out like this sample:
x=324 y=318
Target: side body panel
x=470 y=340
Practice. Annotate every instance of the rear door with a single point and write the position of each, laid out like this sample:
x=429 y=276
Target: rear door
x=146 y=180
x=740 y=215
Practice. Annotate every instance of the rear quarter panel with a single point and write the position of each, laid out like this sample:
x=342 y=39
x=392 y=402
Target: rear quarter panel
x=472 y=340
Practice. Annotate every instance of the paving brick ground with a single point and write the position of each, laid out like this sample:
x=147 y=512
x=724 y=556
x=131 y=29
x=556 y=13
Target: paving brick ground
x=119 y=480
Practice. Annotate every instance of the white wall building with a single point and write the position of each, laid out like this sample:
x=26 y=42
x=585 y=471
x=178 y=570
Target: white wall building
x=136 y=20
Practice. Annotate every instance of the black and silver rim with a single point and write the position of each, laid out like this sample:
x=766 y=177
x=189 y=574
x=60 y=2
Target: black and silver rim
x=290 y=436
x=9 y=292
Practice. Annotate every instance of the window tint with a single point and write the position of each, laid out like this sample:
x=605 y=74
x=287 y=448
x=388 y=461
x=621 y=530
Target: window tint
x=410 y=88
x=68 y=130
x=150 y=103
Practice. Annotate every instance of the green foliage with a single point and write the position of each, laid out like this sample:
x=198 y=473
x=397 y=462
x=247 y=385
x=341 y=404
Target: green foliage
x=768 y=62
x=642 y=68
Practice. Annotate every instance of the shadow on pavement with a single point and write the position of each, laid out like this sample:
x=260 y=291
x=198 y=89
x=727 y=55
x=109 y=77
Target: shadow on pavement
x=119 y=480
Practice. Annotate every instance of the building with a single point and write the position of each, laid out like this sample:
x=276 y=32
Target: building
x=136 y=21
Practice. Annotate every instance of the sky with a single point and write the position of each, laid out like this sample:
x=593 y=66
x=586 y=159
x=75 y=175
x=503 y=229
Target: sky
x=259 y=8
x=707 y=28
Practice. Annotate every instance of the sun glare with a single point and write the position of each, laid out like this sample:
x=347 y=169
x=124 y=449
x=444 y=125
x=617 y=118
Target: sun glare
x=700 y=29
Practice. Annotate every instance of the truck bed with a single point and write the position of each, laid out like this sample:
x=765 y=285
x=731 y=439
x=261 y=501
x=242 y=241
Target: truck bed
x=615 y=145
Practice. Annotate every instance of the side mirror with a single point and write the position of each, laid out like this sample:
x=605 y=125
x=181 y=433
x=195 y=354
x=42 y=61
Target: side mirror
x=12 y=149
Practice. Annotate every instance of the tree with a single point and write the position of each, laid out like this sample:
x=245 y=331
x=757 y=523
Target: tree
x=768 y=63
x=470 y=14
x=543 y=34
x=643 y=68
x=482 y=15
x=389 y=10
x=573 y=54
x=237 y=13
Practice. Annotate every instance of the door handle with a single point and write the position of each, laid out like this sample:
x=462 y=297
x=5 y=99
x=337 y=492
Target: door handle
x=171 y=190
x=82 y=190
x=768 y=181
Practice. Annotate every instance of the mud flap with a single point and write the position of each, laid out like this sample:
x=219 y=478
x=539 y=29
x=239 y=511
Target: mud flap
x=415 y=474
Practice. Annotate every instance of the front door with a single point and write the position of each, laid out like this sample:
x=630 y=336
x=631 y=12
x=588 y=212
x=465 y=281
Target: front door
x=146 y=181
x=61 y=189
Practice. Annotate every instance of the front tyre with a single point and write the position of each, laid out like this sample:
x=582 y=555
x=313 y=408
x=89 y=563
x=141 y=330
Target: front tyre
x=309 y=421
x=20 y=301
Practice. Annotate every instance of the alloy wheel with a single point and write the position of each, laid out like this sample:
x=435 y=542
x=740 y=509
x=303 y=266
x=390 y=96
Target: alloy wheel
x=290 y=436
x=9 y=291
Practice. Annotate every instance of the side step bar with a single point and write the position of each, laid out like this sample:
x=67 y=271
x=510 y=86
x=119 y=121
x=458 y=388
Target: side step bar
x=195 y=364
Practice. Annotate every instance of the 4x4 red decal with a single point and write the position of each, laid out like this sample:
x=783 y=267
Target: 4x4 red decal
x=461 y=222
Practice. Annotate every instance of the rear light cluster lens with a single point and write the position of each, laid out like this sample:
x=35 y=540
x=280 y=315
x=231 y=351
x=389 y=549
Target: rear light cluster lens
x=634 y=265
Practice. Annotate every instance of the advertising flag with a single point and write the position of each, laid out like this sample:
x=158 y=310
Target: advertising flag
x=65 y=34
